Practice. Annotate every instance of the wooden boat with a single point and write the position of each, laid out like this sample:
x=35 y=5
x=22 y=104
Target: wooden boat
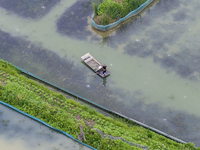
x=94 y=65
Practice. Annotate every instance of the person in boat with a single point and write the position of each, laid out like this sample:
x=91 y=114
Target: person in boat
x=104 y=69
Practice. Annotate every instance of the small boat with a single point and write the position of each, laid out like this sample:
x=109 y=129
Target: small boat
x=96 y=66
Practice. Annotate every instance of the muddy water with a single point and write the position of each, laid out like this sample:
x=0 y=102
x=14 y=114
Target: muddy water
x=153 y=59
x=20 y=132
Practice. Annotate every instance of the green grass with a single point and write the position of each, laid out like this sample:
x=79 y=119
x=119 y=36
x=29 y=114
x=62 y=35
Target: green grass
x=66 y=114
x=95 y=8
x=116 y=10
x=105 y=20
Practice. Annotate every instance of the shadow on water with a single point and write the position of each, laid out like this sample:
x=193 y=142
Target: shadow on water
x=74 y=21
x=104 y=82
x=181 y=15
x=29 y=9
x=183 y=63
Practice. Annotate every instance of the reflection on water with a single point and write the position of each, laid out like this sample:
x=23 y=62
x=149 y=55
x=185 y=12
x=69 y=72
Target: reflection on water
x=153 y=59
x=74 y=21
x=28 y=9
x=20 y=132
x=104 y=82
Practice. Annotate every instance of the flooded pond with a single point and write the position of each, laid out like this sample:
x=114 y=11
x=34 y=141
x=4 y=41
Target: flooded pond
x=153 y=59
x=20 y=132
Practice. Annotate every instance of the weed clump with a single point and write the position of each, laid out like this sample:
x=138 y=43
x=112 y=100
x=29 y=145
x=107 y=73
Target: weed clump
x=95 y=8
x=149 y=134
x=105 y=20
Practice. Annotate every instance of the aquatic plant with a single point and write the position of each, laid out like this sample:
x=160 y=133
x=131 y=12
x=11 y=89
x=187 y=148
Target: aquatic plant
x=95 y=8
x=117 y=10
x=105 y=20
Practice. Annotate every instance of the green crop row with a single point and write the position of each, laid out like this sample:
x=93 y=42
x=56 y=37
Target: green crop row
x=67 y=114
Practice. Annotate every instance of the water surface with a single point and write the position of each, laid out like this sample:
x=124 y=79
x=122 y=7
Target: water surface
x=153 y=59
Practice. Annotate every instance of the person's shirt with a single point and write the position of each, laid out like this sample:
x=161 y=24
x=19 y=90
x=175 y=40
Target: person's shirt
x=104 y=67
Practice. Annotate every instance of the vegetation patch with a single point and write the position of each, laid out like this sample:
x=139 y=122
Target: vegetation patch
x=109 y=11
x=76 y=119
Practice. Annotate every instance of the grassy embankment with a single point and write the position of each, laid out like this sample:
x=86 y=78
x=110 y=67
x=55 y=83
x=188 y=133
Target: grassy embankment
x=101 y=132
x=112 y=10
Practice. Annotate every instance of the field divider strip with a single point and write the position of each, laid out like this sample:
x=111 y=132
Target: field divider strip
x=103 y=108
